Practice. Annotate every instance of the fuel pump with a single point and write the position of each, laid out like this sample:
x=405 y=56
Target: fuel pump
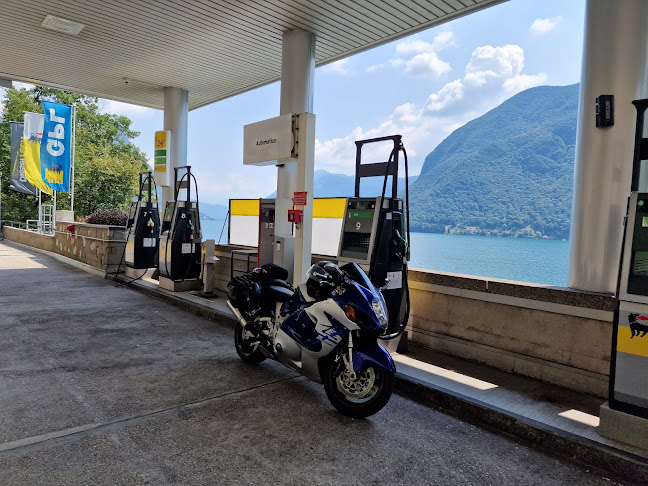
x=629 y=358
x=143 y=230
x=180 y=239
x=266 y=231
x=375 y=233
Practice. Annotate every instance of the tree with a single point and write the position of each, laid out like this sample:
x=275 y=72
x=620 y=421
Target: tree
x=15 y=205
x=107 y=162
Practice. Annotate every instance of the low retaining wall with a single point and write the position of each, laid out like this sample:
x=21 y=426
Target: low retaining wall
x=99 y=246
x=555 y=334
x=30 y=238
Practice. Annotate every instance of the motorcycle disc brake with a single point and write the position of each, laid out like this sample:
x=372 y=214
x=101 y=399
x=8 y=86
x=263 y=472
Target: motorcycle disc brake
x=358 y=388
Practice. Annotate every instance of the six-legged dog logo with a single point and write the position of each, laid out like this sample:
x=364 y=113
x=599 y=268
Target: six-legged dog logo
x=636 y=327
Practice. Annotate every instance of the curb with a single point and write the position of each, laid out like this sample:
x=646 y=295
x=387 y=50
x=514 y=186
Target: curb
x=558 y=443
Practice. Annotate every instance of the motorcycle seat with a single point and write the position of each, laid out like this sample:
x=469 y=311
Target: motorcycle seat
x=280 y=283
x=280 y=293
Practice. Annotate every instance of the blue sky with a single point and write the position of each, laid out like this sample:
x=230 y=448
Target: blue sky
x=424 y=86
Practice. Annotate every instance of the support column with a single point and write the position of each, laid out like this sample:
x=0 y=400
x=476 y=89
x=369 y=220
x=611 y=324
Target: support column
x=297 y=81
x=176 y=117
x=615 y=55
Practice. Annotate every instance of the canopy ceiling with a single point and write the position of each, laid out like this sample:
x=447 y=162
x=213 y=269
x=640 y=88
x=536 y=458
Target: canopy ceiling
x=214 y=49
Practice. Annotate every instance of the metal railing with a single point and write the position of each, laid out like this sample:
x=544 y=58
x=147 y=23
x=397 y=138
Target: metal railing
x=29 y=225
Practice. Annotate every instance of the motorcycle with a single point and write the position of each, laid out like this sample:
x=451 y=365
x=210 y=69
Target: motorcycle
x=325 y=329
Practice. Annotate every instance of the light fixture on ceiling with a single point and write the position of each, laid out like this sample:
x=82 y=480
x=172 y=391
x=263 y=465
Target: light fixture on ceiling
x=62 y=25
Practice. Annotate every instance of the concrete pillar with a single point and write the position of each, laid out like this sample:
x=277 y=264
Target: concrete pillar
x=176 y=117
x=297 y=81
x=614 y=62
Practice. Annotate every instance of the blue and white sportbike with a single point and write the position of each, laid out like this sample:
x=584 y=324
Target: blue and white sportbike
x=326 y=329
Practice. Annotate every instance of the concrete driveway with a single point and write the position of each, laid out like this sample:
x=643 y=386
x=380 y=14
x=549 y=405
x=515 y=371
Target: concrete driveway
x=103 y=385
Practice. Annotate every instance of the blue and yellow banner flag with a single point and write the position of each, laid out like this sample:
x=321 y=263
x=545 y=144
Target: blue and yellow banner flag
x=55 y=149
x=18 y=180
x=32 y=135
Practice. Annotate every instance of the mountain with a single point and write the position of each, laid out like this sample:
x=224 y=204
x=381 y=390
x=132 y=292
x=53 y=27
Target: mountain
x=213 y=211
x=328 y=184
x=508 y=172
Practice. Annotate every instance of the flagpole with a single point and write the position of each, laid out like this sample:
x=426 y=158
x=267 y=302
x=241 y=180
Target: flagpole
x=40 y=213
x=73 y=156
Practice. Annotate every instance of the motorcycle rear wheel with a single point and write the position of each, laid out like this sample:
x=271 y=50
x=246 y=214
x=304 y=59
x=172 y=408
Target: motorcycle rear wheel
x=249 y=353
x=359 y=398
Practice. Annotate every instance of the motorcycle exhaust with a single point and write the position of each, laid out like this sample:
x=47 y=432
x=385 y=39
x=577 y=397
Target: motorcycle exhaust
x=238 y=315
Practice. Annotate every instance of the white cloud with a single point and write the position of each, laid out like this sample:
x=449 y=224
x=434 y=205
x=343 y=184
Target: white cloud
x=339 y=67
x=492 y=75
x=543 y=26
x=126 y=109
x=396 y=62
x=489 y=62
x=237 y=182
x=21 y=85
x=447 y=95
x=425 y=63
x=523 y=81
x=414 y=45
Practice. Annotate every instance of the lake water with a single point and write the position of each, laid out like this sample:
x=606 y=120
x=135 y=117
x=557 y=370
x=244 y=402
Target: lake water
x=526 y=260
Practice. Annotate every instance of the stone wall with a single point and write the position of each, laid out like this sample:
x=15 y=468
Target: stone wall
x=96 y=245
x=30 y=238
x=100 y=246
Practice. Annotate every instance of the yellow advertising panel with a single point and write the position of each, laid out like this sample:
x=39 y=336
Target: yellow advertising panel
x=632 y=342
x=330 y=207
x=244 y=207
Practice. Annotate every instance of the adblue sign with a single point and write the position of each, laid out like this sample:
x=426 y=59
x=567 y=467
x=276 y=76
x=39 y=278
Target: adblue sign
x=55 y=148
x=270 y=141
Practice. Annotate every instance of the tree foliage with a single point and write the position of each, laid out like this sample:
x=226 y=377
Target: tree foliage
x=107 y=163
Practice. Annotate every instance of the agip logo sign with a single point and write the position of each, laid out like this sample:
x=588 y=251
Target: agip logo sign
x=56 y=147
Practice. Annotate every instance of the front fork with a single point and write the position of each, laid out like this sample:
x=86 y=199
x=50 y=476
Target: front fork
x=348 y=358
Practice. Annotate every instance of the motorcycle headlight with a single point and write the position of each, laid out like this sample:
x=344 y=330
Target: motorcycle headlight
x=381 y=312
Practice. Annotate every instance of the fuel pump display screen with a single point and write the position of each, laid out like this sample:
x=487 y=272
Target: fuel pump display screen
x=637 y=267
x=640 y=264
x=168 y=211
x=358 y=225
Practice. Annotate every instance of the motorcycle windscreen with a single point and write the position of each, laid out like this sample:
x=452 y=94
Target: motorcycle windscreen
x=355 y=273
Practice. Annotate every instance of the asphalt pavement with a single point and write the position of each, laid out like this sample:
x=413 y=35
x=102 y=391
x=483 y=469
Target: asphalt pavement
x=104 y=385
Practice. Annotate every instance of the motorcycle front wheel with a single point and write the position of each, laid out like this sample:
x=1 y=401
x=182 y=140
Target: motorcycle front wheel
x=360 y=396
x=250 y=353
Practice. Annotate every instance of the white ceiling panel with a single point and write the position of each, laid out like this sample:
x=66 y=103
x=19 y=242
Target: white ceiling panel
x=214 y=49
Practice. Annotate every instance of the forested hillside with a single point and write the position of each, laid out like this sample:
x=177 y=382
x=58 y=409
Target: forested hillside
x=508 y=172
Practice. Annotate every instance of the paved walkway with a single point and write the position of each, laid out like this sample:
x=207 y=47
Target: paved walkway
x=104 y=385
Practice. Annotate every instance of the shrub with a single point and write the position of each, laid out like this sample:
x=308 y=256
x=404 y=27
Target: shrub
x=115 y=217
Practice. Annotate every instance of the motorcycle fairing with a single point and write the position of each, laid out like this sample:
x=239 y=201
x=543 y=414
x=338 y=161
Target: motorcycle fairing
x=375 y=355
x=361 y=298
x=311 y=333
x=319 y=327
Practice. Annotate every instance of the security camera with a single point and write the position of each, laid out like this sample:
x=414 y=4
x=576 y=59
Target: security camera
x=126 y=81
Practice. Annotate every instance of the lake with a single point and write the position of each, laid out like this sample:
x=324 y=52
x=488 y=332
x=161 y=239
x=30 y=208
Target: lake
x=523 y=259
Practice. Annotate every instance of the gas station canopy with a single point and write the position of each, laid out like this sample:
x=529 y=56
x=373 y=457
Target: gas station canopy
x=130 y=50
